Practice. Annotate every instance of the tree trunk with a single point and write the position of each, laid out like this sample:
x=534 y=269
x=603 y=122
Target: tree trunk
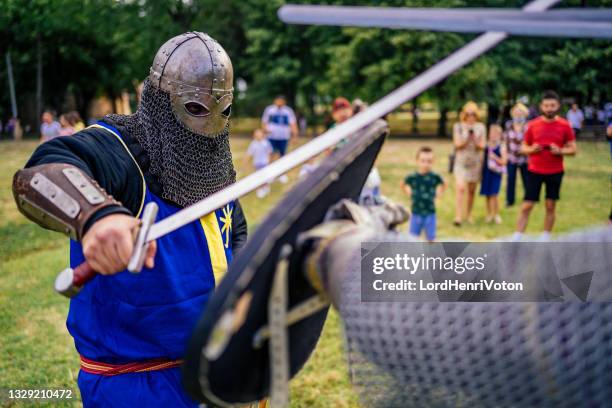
x=415 y=116
x=442 y=122
x=9 y=70
x=312 y=118
x=39 y=81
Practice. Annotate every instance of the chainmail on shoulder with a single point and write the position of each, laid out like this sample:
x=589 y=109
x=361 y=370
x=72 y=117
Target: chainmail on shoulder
x=189 y=166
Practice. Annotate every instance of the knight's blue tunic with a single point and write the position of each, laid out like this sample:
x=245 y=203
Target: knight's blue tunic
x=133 y=317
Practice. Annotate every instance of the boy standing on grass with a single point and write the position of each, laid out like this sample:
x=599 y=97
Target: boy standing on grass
x=260 y=150
x=424 y=186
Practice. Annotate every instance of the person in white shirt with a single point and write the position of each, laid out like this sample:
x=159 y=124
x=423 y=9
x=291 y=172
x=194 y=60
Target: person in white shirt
x=370 y=194
x=279 y=122
x=575 y=117
x=260 y=150
x=50 y=128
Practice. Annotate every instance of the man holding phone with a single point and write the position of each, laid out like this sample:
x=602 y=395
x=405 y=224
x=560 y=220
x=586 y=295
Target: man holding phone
x=548 y=138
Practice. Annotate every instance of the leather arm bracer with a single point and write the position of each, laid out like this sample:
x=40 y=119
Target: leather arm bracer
x=59 y=197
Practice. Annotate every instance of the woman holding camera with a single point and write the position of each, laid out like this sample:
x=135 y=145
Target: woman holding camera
x=469 y=139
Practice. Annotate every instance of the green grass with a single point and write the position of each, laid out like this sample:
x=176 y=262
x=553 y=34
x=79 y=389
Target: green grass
x=37 y=351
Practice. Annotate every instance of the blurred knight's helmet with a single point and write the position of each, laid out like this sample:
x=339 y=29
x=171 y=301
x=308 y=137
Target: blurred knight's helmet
x=197 y=73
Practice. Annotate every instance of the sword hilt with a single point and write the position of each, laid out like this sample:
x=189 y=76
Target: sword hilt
x=70 y=281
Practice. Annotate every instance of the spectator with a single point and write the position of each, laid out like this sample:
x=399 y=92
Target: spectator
x=358 y=106
x=533 y=112
x=370 y=194
x=469 y=138
x=548 y=138
x=342 y=110
x=279 y=122
x=495 y=160
x=515 y=130
x=66 y=127
x=575 y=118
x=75 y=120
x=424 y=186
x=303 y=125
x=601 y=117
x=589 y=115
x=609 y=135
x=49 y=129
x=260 y=150
x=11 y=126
x=608 y=111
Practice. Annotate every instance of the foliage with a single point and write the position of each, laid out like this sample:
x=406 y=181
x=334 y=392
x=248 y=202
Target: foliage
x=105 y=46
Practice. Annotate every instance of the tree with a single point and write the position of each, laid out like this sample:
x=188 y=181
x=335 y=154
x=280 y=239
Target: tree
x=106 y=46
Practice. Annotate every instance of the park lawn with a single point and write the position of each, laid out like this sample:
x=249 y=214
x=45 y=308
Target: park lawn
x=38 y=352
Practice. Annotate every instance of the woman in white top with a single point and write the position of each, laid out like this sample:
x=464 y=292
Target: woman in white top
x=49 y=128
x=469 y=139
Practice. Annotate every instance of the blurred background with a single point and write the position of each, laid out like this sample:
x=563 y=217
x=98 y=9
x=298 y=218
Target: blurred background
x=91 y=56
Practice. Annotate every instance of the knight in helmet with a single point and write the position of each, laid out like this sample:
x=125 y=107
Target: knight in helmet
x=131 y=329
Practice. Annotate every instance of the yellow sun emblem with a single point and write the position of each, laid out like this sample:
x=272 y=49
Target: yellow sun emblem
x=226 y=228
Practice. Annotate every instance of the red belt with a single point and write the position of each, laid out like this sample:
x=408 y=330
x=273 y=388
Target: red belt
x=96 y=367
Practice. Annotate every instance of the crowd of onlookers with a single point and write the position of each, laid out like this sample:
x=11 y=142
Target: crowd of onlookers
x=50 y=128
x=68 y=124
x=534 y=149
x=8 y=128
x=518 y=148
x=531 y=151
x=279 y=126
x=588 y=116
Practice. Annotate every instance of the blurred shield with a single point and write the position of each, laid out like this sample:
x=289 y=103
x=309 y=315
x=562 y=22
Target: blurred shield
x=223 y=365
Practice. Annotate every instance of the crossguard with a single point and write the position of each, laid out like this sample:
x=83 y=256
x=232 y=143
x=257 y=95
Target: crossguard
x=70 y=281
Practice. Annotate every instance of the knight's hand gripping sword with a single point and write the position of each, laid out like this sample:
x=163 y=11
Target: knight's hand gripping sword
x=70 y=281
x=61 y=197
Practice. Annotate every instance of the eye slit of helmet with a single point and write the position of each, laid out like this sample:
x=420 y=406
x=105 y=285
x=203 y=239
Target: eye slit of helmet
x=227 y=110
x=196 y=109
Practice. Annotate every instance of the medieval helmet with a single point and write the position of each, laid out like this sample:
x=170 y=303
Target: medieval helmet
x=197 y=73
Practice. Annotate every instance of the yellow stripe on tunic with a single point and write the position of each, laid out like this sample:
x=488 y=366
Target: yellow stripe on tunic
x=215 y=245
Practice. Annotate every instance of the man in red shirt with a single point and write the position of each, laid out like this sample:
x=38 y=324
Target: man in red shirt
x=548 y=138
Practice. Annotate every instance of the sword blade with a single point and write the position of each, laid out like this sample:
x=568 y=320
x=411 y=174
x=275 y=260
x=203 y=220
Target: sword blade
x=584 y=24
x=406 y=92
x=349 y=15
x=389 y=17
